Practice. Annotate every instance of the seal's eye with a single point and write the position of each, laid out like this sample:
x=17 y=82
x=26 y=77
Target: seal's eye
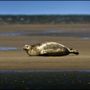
x=27 y=46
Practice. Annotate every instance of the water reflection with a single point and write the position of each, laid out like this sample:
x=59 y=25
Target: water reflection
x=11 y=33
x=7 y=48
x=85 y=38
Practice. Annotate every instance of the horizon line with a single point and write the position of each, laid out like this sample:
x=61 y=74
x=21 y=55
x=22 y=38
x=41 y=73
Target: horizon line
x=43 y=14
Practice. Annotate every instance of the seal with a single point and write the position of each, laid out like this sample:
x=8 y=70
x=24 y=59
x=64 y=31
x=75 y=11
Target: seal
x=49 y=49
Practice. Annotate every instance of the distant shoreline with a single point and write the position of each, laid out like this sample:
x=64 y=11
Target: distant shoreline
x=44 y=19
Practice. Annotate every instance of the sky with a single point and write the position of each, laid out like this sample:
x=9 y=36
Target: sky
x=44 y=7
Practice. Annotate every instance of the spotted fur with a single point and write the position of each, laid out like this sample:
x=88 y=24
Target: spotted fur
x=48 y=49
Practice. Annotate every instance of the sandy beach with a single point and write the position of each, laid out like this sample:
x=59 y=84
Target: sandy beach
x=19 y=60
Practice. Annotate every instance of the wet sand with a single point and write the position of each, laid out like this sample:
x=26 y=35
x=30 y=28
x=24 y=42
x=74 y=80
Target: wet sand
x=19 y=60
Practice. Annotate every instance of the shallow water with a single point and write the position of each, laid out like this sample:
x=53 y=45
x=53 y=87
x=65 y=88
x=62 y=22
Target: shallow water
x=11 y=33
x=44 y=80
x=85 y=38
x=83 y=35
x=8 y=48
x=59 y=33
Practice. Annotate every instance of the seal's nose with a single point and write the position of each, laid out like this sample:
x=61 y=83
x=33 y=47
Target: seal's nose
x=77 y=53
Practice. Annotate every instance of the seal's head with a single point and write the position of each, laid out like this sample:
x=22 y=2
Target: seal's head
x=27 y=47
x=74 y=51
